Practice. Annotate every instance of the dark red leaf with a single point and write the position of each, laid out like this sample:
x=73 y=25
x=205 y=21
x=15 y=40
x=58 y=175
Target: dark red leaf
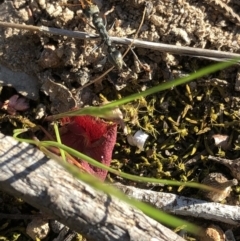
x=93 y=137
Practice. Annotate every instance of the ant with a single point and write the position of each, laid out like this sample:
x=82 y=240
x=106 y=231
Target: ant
x=91 y=10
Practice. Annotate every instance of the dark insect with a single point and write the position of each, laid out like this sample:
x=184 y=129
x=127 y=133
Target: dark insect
x=92 y=11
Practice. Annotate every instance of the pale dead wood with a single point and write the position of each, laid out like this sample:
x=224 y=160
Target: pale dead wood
x=185 y=206
x=25 y=172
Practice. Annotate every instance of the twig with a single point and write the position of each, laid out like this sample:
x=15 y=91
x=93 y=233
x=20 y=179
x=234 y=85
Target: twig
x=181 y=50
x=95 y=80
x=136 y=34
x=185 y=206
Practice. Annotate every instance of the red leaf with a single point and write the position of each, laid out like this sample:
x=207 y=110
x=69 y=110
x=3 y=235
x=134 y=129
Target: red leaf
x=93 y=137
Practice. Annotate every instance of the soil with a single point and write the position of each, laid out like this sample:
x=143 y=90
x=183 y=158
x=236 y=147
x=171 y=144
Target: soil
x=184 y=123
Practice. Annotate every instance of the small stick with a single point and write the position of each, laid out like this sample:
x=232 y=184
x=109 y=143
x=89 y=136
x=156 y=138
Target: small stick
x=136 y=34
x=179 y=205
x=181 y=50
x=140 y=63
x=95 y=80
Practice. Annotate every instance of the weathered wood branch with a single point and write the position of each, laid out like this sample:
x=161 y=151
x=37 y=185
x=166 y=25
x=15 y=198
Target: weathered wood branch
x=25 y=172
x=185 y=206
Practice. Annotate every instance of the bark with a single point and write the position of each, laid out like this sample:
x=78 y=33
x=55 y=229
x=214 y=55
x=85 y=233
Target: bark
x=185 y=206
x=26 y=173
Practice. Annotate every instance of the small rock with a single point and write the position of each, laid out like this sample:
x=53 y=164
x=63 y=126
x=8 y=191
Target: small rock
x=40 y=112
x=139 y=139
x=229 y=235
x=221 y=141
x=220 y=182
x=213 y=233
x=38 y=229
x=24 y=84
x=233 y=165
